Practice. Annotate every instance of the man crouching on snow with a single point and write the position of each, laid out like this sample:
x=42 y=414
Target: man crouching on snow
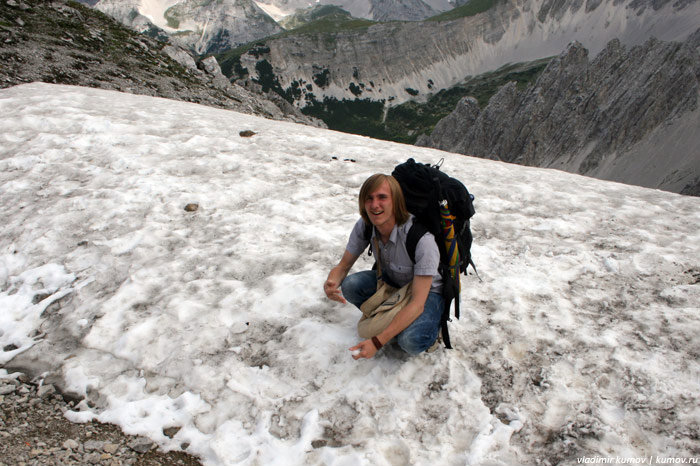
x=401 y=298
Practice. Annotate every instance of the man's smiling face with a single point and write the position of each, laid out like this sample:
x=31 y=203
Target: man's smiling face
x=379 y=206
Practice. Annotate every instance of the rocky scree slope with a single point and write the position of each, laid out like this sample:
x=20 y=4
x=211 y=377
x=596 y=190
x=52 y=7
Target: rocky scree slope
x=34 y=430
x=64 y=42
x=628 y=115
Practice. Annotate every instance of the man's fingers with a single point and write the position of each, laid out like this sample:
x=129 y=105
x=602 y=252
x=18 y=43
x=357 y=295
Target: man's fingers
x=335 y=295
x=356 y=351
x=361 y=350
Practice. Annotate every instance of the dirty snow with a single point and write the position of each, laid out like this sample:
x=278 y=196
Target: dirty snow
x=580 y=344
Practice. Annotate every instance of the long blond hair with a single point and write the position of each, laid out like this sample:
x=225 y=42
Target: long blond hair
x=373 y=183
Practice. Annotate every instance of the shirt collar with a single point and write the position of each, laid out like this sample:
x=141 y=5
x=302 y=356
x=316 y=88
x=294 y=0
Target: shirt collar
x=393 y=237
x=394 y=234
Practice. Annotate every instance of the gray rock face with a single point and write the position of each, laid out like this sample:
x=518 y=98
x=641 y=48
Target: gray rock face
x=211 y=27
x=629 y=115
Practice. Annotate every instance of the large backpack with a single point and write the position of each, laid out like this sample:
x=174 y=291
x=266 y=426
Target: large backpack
x=442 y=206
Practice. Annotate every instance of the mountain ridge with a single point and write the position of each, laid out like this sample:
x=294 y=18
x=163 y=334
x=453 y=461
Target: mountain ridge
x=628 y=115
x=396 y=62
x=213 y=27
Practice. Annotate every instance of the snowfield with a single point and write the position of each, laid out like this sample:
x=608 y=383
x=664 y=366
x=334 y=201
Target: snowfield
x=580 y=343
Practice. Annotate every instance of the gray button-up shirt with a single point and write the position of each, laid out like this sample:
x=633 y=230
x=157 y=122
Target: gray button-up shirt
x=396 y=263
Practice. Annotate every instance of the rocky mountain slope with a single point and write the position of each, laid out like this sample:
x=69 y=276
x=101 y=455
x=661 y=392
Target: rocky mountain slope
x=67 y=43
x=396 y=62
x=629 y=115
x=208 y=27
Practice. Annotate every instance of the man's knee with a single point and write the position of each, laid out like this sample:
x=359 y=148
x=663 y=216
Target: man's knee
x=422 y=333
x=415 y=342
x=351 y=286
x=358 y=287
x=351 y=283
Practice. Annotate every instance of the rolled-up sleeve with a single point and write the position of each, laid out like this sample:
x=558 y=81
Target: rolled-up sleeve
x=357 y=243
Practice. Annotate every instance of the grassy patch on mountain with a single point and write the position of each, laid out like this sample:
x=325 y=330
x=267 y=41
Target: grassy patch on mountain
x=311 y=14
x=359 y=116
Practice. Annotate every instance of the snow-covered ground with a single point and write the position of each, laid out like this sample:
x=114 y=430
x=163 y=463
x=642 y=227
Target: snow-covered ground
x=580 y=345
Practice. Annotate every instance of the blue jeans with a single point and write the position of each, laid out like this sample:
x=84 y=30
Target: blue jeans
x=417 y=337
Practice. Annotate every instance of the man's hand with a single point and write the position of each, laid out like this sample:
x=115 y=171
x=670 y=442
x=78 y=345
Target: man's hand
x=365 y=349
x=332 y=290
x=336 y=276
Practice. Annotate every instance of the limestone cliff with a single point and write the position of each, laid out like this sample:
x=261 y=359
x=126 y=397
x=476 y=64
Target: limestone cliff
x=628 y=115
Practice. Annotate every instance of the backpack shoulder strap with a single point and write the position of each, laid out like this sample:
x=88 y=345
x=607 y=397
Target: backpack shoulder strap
x=368 y=231
x=368 y=236
x=415 y=233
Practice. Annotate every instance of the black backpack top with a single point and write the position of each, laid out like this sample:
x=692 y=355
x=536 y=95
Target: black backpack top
x=428 y=190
